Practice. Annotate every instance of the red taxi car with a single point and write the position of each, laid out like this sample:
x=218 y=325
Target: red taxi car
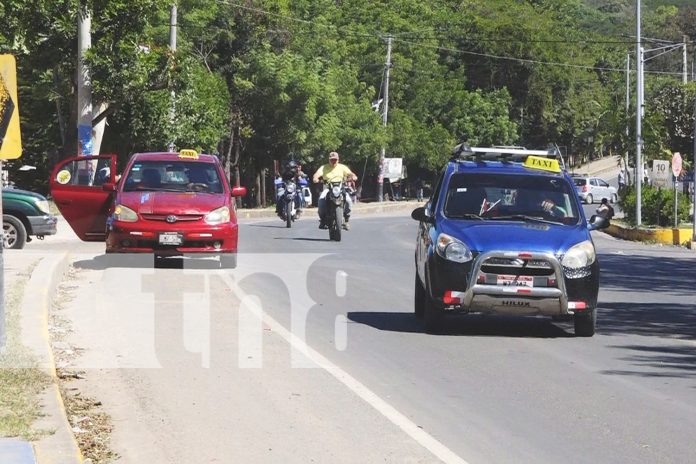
x=168 y=204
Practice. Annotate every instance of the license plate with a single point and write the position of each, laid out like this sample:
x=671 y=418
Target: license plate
x=171 y=238
x=516 y=281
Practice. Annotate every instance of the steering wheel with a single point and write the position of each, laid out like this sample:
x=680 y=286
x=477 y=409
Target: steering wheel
x=197 y=186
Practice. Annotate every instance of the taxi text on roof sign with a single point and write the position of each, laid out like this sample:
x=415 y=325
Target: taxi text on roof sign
x=190 y=154
x=545 y=164
x=10 y=137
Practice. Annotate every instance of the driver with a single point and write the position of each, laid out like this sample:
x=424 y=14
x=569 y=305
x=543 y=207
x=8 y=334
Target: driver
x=333 y=172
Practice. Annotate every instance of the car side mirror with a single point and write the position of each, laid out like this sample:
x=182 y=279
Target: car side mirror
x=109 y=187
x=423 y=215
x=239 y=191
x=598 y=223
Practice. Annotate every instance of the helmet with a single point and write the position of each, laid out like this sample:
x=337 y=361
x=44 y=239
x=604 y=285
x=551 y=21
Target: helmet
x=292 y=164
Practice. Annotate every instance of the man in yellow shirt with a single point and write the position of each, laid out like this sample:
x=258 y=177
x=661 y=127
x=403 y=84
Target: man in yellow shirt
x=333 y=172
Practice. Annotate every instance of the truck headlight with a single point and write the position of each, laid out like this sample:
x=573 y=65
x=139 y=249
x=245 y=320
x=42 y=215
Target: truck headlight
x=218 y=216
x=452 y=249
x=579 y=256
x=125 y=214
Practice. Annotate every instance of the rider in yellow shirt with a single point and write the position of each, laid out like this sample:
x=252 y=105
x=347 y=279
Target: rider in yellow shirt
x=333 y=172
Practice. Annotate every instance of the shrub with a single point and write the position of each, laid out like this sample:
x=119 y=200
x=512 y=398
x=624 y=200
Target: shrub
x=657 y=206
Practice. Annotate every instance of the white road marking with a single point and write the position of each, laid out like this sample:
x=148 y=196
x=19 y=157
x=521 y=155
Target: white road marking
x=422 y=437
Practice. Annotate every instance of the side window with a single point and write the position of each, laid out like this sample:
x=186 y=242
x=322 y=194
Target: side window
x=602 y=183
x=436 y=192
x=593 y=182
x=85 y=172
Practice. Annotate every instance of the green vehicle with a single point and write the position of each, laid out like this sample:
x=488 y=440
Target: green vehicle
x=25 y=215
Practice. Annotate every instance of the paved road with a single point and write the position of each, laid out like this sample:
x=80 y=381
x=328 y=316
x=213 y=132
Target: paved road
x=190 y=373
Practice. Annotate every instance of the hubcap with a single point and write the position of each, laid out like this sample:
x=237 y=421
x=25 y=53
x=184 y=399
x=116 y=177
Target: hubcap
x=9 y=235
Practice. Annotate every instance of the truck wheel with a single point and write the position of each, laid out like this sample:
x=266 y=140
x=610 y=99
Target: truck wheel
x=585 y=323
x=432 y=316
x=14 y=232
x=419 y=298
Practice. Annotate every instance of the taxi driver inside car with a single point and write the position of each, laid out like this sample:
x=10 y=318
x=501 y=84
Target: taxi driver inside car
x=499 y=234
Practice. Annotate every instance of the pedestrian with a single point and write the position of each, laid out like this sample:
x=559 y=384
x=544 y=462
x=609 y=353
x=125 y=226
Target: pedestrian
x=418 y=186
x=622 y=180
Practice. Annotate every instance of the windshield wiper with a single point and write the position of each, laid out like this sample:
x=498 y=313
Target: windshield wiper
x=522 y=217
x=466 y=216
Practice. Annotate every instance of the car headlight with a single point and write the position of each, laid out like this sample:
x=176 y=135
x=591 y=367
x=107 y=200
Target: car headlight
x=452 y=249
x=218 y=216
x=43 y=206
x=125 y=214
x=579 y=256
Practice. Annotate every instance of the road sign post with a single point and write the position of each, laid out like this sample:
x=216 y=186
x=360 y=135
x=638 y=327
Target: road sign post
x=676 y=170
x=10 y=148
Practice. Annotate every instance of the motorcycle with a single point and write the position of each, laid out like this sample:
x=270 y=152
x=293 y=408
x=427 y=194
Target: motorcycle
x=335 y=205
x=289 y=203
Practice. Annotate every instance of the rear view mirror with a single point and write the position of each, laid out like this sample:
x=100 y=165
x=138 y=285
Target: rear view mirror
x=239 y=191
x=422 y=214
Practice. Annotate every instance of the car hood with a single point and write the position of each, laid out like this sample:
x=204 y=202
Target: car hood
x=482 y=236
x=171 y=202
x=24 y=193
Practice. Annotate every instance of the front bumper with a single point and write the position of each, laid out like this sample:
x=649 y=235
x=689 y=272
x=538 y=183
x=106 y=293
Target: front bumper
x=475 y=286
x=43 y=225
x=142 y=237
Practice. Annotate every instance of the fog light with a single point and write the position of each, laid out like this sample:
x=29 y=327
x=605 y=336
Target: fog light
x=481 y=279
x=217 y=245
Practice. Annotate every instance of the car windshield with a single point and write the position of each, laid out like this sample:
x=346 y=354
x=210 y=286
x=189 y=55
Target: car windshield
x=173 y=176
x=511 y=197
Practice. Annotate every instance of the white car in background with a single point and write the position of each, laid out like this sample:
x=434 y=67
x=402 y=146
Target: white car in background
x=593 y=189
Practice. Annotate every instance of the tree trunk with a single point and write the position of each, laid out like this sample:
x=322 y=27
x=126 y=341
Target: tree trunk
x=257 y=200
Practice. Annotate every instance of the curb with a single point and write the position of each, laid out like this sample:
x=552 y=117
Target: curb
x=679 y=237
x=61 y=447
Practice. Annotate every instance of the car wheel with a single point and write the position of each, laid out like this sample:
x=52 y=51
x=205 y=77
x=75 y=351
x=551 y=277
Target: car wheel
x=588 y=199
x=585 y=323
x=14 y=232
x=432 y=316
x=614 y=198
x=228 y=261
x=419 y=298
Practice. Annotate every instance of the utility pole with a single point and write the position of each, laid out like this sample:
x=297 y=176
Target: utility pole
x=85 y=142
x=628 y=108
x=685 y=74
x=693 y=200
x=387 y=67
x=172 y=49
x=639 y=115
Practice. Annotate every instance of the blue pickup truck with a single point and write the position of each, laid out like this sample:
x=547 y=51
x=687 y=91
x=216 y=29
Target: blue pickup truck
x=25 y=215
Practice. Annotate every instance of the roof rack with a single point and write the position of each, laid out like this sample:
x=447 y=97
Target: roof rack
x=505 y=154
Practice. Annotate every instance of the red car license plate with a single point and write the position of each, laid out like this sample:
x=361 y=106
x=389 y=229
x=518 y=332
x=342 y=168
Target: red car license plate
x=171 y=238
x=517 y=281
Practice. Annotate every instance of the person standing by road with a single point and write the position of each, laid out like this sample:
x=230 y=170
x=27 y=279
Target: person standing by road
x=622 y=180
x=333 y=171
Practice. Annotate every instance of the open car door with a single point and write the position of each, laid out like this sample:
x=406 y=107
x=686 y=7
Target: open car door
x=83 y=189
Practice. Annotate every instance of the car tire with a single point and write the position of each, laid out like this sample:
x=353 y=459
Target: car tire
x=14 y=233
x=419 y=298
x=589 y=199
x=614 y=198
x=228 y=261
x=585 y=323
x=432 y=316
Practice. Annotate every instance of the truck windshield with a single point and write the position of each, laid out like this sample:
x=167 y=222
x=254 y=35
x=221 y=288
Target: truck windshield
x=511 y=197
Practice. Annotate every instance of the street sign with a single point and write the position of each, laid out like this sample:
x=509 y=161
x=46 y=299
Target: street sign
x=660 y=173
x=10 y=138
x=676 y=164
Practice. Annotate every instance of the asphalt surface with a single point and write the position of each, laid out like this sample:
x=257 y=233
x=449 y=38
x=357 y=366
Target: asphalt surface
x=202 y=365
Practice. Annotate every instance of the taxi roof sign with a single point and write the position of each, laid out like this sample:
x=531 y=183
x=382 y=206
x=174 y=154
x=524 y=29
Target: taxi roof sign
x=464 y=152
x=189 y=154
x=544 y=164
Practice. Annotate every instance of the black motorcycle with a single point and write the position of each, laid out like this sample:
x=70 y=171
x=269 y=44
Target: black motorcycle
x=287 y=196
x=335 y=206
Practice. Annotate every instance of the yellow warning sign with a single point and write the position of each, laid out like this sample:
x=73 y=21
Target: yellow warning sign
x=10 y=137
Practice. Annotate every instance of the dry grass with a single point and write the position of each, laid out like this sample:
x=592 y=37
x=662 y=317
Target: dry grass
x=19 y=386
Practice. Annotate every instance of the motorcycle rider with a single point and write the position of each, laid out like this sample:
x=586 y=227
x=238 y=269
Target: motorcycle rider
x=291 y=172
x=605 y=211
x=333 y=171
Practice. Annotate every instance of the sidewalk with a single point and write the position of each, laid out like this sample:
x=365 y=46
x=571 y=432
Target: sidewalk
x=44 y=273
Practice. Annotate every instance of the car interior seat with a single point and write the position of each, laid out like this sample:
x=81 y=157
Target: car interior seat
x=151 y=178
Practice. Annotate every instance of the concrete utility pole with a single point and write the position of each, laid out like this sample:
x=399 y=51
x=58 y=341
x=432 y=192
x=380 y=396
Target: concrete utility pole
x=85 y=141
x=172 y=48
x=685 y=67
x=387 y=67
x=628 y=108
x=639 y=116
